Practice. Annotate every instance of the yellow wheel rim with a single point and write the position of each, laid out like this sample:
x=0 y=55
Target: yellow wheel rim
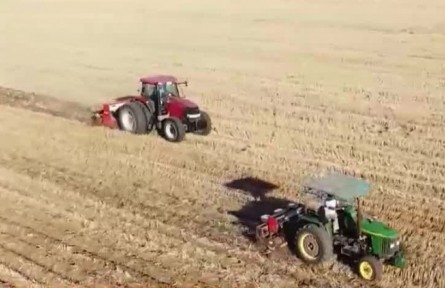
x=366 y=270
x=308 y=246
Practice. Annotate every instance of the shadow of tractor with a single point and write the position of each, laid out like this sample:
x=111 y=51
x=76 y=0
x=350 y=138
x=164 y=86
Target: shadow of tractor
x=249 y=215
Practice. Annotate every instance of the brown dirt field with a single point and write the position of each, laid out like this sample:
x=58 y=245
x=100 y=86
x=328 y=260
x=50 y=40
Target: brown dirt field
x=293 y=88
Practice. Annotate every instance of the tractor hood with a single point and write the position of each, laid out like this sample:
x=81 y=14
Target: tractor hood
x=181 y=102
x=178 y=107
x=377 y=228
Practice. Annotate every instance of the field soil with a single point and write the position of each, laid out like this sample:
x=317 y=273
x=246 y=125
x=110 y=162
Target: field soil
x=294 y=88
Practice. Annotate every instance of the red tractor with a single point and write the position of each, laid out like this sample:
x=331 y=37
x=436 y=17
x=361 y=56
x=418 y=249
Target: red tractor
x=159 y=105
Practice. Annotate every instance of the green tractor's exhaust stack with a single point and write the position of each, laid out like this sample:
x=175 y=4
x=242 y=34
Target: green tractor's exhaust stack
x=364 y=240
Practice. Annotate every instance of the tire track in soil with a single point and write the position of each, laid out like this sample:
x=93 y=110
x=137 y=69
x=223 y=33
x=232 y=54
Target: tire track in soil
x=31 y=271
x=197 y=242
x=162 y=214
x=176 y=236
x=8 y=213
x=21 y=247
x=73 y=260
x=435 y=224
x=370 y=130
x=379 y=170
x=157 y=213
x=11 y=277
x=58 y=214
x=391 y=181
x=78 y=251
x=379 y=149
x=117 y=257
x=82 y=181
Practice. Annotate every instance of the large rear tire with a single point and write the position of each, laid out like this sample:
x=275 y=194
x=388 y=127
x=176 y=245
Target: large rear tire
x=207 y=124
x=132 y=118
x=173 y=130
x=313 y=244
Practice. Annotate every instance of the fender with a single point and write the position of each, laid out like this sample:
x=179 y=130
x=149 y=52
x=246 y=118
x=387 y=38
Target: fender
x=304 y=220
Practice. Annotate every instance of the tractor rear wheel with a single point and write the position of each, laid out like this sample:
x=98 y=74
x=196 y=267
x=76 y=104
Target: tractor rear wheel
x=132 y=118
x=313 y=244
x=173 y=130
x=206 y=123
x=370 y=268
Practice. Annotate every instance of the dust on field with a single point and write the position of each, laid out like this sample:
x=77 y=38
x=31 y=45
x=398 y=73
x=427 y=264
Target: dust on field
x=45 y=104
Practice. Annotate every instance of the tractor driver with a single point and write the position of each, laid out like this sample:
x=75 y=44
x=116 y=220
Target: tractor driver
x=162 y=99
x=148 y=91
x=330 y=209
x=171 y=89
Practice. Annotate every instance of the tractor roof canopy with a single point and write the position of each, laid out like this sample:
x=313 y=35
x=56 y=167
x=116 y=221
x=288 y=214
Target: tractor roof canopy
x=155 y=79
x=340 y=186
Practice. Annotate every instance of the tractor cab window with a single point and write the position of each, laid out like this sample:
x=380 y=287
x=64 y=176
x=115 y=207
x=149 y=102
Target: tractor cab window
x=349 y=218
x=160 y=89
x=148 y=90
x=169 y=88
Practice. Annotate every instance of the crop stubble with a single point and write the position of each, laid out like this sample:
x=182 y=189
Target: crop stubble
x=82 y=204
x=86 y=204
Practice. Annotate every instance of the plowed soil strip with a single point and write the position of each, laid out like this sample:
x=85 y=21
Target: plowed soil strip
x=44 y=104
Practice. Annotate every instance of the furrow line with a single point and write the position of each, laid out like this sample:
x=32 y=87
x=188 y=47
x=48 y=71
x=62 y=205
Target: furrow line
x=330 y=156
x=227 y=240
x=13 y=277
x=118 y=258
x=21 y=260
x=374 y=145
x=179 y=235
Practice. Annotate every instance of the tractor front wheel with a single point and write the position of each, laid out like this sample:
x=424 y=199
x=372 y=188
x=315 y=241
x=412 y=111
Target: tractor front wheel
x=313 y=244
x=173 y=130
x=205 y=124
x=370 y=268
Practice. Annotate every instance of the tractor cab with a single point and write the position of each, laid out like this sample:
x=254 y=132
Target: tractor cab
x=346 y=190
x=162 y=89
x=359 y=234
x=161 y=86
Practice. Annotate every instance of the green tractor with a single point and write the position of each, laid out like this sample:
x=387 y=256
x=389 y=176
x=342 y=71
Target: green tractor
x=315 y=237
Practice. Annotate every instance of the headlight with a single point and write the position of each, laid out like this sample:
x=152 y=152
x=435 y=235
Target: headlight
x=394 y=244
x=194 y=116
